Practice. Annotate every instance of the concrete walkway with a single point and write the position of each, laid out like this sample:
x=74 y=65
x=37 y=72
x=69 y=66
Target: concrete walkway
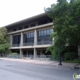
x=48 y=63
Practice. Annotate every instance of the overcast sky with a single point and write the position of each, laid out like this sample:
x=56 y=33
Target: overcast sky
x=16 y=10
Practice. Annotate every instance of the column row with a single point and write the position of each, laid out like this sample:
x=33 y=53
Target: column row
x=21 y=39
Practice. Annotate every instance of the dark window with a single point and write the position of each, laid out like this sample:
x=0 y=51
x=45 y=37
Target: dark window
x=44 y=36
x=15 y=29
x=32 y=24
x=50 y=20
x=42 y=22
x=16 y=40
x=28 y=39
x=26 y=26
x=20 y=28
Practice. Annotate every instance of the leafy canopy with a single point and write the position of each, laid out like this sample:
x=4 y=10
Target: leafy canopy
x=66 y=20
x=4 y=45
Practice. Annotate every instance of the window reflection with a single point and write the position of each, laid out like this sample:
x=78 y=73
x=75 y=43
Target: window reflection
x=28 y=39
x=44 y=36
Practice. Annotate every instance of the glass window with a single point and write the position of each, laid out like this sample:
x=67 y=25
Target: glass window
x=20 y=28
x=16 y=39
x=41 y=32
x=29 y=38
x=44 y=32
x=51 y=30
x=42 y=22
x=44 y=36
x=15 y=29
x=47 y=32
x=32 y=24
x=32 y=34
x=26 y=26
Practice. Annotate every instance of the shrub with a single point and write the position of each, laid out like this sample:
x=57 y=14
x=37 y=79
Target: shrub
x=70 y=55
x=14 y=55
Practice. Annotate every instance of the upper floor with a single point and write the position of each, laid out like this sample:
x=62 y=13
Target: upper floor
x=29 y=23
x=34 y=31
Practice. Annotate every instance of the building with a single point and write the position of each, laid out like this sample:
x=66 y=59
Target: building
x=31 y=37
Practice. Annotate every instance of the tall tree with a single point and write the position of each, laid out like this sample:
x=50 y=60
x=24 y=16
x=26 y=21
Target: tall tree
x=4 y=45
x=66 y=20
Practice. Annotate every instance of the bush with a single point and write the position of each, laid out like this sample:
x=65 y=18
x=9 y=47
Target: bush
x=14 y=55
x=70 y=55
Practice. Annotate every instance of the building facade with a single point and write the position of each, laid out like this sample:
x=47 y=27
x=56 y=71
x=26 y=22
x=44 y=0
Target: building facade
x=31 y=37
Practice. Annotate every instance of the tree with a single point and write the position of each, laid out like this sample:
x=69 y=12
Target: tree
x=4 y=45
x=66 y=20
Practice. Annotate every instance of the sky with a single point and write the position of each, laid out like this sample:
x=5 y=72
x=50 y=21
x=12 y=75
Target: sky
x=15 y=10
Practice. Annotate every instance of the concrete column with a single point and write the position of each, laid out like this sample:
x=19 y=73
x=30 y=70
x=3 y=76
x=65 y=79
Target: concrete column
x=21 y=40
x=11 y=40
x=21 y=53
x=35 y=37
x=35 y=53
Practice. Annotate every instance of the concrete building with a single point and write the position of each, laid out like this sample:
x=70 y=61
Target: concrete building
x=31 y=37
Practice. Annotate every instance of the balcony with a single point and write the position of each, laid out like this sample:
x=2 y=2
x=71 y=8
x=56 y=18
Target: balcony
x=32 y=44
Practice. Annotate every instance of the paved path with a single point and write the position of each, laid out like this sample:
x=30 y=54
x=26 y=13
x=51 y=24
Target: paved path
x=49 y=63
x=20 y=69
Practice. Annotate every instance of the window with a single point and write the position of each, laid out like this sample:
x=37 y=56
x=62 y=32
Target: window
x=50 y=20
x=15 y=29
x=42 y=22
x=16 y=40
x=44 y=36
x=20 y=28
x=32 y=24
x=28 y=39
x=26 y=26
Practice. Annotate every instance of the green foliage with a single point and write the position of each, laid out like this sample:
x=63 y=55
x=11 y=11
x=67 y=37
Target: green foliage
x=66 y=20
x=4 y=45
x=54 y=52
x=70 y=55
x=14 y=55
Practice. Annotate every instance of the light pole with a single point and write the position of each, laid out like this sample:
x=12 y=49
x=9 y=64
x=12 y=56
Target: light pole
x=60 y=52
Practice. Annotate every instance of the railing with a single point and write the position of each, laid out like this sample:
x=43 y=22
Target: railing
x=28 y=44
x=32 y=43
x=15 y=45
x=44 y=42
x=37 y=56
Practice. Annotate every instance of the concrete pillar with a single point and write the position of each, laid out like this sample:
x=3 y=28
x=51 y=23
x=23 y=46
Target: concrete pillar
x=21 y=40
x=35 y=37
x=21 y=53
x=35 y=53
x=11 y=40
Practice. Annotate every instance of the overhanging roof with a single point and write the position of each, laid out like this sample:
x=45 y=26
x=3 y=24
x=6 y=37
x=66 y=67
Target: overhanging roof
x=31 y=19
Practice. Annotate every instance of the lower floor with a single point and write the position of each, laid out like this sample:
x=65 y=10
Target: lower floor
x=32 y=53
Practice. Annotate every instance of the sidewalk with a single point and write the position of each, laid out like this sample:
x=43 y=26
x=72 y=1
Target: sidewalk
x=46 y=63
